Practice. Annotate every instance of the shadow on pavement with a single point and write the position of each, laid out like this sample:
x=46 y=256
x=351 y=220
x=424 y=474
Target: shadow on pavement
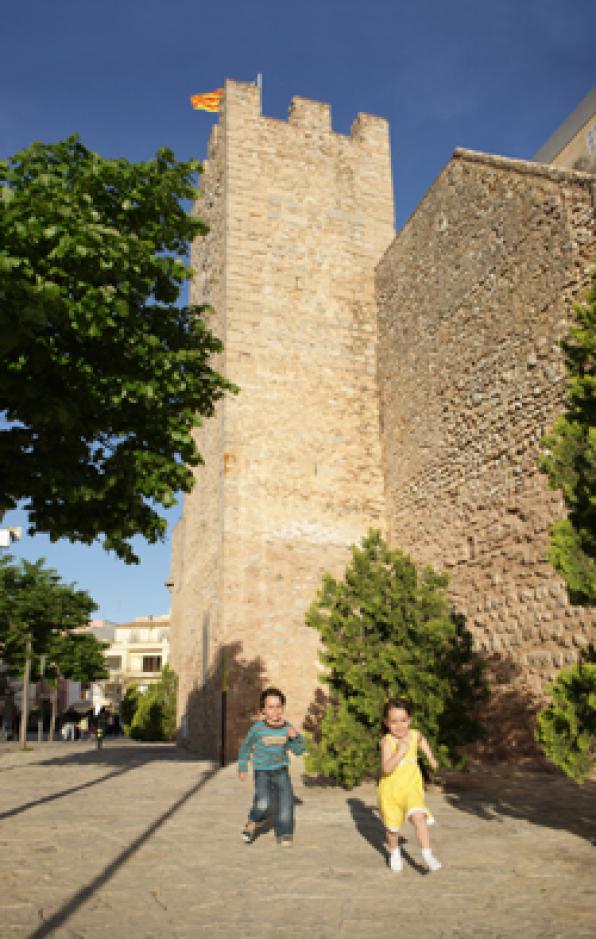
x=368 y=825
x=125 y=757
x=65 y=792
x=71 y=906
x=543 y=798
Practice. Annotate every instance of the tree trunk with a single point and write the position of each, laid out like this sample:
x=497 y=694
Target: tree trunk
x=25 y=697
x=54 y=708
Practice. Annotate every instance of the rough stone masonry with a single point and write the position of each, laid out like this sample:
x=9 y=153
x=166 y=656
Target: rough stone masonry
x=396 y=382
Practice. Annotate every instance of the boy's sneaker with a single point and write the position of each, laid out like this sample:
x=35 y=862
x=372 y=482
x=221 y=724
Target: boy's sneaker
x=430 y=860
x=249 y=832
x=286 y=841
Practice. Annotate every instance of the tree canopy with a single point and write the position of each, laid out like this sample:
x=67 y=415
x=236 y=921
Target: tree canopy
x=36 y=605
x=570 y=460
x=104 y=372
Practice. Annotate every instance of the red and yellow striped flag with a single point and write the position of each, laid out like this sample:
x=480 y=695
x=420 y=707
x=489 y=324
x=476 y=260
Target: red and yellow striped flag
x=209 y=101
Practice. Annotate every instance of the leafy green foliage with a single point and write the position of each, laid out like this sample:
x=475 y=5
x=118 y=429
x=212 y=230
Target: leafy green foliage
x=103 y=374
x=128 y=707
x=570 y=460
x=155 y=714
x=566 y=728
x=77 y=656
x=387 y=630
x=35 y=603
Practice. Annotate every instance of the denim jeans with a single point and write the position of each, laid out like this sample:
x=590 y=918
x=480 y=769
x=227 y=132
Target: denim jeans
x=267 y=783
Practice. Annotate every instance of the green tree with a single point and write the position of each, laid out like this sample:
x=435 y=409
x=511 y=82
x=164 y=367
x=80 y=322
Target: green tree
x=35 y=608
x=75 y=656
x=570 y=460
x=387 y=630
x=103 y=373
x=566 y=728
x=128 y=707
x=155 y=714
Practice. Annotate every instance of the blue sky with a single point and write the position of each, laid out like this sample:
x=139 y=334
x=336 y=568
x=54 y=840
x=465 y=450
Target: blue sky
x=498 y=77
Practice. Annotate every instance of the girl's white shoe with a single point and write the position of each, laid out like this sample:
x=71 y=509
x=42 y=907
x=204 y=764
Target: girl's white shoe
x=430 y=860
x=395 y=860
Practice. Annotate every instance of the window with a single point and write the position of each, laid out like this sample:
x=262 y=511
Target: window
x=152 y=663
x=114 y=662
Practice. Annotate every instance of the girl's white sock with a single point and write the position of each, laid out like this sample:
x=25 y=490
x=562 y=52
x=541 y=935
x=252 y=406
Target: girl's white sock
x=430 y=860
x=395 y=860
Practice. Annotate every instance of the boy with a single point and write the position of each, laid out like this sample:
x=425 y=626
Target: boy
x=268 y=742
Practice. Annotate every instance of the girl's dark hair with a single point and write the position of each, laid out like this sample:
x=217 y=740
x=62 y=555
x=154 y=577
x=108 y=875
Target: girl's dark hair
x=402 y=703
x=271 y=693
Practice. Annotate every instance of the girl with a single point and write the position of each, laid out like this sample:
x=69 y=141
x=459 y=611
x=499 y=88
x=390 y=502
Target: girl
x=401 y=793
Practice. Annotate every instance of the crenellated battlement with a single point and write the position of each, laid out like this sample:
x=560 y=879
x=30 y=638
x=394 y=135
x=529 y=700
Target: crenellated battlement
x=243 y=100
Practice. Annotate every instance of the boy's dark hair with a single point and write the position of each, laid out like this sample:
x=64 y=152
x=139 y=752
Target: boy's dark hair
x=271 y=693
x=402 y=703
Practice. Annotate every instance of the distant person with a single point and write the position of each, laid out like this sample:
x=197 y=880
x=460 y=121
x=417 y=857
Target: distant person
x=268 y=744
x=84 y=728
x=68 y=730
x=401 y=790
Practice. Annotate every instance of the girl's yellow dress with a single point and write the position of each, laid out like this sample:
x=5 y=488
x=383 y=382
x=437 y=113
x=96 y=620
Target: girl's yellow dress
x=402 y=791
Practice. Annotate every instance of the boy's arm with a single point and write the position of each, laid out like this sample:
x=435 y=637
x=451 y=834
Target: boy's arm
x=295 y=741
x=245 y=751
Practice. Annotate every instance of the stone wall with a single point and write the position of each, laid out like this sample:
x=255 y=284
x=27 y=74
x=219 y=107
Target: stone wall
x=473 y=296
x=197 y=544
x=293 y=475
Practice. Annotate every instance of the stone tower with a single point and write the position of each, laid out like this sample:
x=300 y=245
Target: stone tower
x=299 y=216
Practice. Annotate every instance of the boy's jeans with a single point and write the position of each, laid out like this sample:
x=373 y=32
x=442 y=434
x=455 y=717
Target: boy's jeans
x=268 y=781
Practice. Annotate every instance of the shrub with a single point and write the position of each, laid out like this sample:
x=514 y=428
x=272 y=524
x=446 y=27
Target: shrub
x=387 y=630
x=566 y=728
x=128 y=707
x=155 y=715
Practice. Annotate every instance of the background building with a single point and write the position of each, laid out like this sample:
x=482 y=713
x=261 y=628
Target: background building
x=136 y=655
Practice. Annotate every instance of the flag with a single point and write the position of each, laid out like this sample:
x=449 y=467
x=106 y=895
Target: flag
x=209 y=101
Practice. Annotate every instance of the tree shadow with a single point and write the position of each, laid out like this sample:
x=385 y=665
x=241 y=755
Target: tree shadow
x=122 y=757
x=218 y=714
x=508 y=715
x=542 y=797
x=315 y=714
x=82 y=896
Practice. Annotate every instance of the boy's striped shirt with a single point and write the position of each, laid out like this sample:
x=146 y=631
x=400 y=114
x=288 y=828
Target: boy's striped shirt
x=268 y=747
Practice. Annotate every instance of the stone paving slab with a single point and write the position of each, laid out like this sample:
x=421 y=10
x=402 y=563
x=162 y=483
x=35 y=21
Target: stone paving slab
x=142 y=841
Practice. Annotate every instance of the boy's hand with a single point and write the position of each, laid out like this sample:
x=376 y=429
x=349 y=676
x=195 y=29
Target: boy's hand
x=292 y=732
x=242 y=776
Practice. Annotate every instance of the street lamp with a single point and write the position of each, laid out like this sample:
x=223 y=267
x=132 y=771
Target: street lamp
x=42 y=670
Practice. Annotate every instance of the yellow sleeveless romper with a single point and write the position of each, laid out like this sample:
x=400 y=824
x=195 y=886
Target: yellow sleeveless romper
x=402 y=791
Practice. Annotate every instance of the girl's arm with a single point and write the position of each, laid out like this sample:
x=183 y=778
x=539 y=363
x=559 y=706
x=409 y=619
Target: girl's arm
x=390 y=758
x=423 y=744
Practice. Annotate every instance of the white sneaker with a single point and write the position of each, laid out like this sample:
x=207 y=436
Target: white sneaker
x=395 y=860
x=430 y=860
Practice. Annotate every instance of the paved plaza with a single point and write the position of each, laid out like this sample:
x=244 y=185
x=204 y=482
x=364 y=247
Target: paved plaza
x=142 y=841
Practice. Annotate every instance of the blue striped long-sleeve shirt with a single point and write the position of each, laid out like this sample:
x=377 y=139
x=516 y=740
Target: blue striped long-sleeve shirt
x=268 y=747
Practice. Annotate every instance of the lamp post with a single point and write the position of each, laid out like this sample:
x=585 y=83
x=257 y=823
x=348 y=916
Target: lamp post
x=42 y=671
